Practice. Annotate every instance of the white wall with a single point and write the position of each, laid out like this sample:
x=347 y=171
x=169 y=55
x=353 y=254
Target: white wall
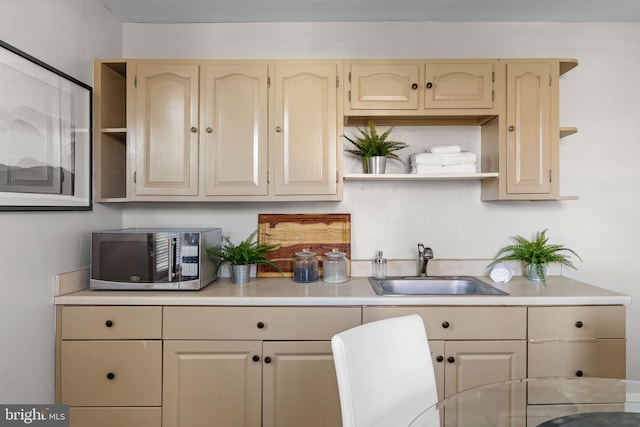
x=35 y=246
x=600 y=163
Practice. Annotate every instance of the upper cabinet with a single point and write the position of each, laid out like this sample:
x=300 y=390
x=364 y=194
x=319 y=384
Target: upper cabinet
x=166 y=129
x=222 y=131
x=460 y=84
x=305 y=126
x=523 y=142
x=234 y=116
x=218 y=130
x=420 y=89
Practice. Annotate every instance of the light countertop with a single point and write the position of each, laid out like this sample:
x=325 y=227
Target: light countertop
x=355 y=292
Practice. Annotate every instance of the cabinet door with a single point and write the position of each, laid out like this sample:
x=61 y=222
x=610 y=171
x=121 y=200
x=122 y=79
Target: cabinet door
x=459 y=85
x=235 y=129
x=306 y=129
x=299 y=385
x=166 y=136
x=384 y=86
x=212 y=382
x=532 y=129
x=474 y=363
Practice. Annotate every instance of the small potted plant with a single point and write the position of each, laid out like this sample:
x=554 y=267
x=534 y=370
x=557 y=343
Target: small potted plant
x=536 y=255
x=241 y=257
x=375 y=148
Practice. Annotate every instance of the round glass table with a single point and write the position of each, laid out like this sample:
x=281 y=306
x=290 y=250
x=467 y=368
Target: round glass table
x=542 y=402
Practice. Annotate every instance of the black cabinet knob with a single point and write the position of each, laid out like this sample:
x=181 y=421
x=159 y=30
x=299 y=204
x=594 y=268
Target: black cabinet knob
x=414 y=86
x=439 y=359
x=451 y=359
x=579 y=373
x=256 y=358
x=429 y=85
x=260 y=325
x=579 y=324
x=108 y=323
x=111 y=376
x=445 y=325
x=267 y=359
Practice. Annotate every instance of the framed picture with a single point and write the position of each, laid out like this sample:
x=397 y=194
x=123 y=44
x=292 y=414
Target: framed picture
x=45 y=136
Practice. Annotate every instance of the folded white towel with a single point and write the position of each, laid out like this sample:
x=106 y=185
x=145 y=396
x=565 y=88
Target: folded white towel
x=500 y=273
x=462 y=158
x=444 y=149
x=469 y=168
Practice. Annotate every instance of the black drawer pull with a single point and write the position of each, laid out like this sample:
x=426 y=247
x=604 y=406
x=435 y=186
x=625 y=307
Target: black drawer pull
x=108 y=323
x=256 y=358
x=260 y=325
x=439 y=359
x=111 y=376
x=579 y=324
x=451 y=359
x=445 y=325
x=267 y=359
x=579 y=373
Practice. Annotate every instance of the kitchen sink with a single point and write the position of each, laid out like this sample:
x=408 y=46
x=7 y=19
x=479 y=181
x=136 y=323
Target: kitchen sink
x=436 y=285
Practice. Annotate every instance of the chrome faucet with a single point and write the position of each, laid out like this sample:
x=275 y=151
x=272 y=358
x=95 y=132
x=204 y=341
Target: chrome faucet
x=424 y=255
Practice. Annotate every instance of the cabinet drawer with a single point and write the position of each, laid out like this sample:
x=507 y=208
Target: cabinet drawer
x=111 y=373
x=449 y=323
x=549 y=323
x=600 y=358
x=264 y=323
x=110 y=417
x=111 y=322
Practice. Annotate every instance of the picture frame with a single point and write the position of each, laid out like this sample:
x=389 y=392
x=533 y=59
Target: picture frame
x=46 y=136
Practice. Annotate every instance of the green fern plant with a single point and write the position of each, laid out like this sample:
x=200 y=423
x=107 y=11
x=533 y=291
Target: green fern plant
x=246 y=252
x=371 y=144
x=535 y=253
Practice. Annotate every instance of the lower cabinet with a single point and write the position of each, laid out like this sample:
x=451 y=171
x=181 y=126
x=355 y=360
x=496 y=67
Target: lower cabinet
x=249 y=383
x=212 y=380
x=470 y=346
x=109 y=365
x=252 y=366
x=193 y=366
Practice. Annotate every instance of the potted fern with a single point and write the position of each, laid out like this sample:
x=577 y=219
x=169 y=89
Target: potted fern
x=375 y=148
x=241 y=257
x=536 y=255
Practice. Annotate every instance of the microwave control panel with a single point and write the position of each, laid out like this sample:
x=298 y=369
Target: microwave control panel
x=190 y=255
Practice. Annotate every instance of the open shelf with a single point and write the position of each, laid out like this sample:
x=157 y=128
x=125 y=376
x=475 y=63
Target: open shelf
x=420 y=177
x=566 y=131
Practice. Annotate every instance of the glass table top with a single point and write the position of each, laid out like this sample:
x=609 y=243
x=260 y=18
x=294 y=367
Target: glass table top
x=543 y=402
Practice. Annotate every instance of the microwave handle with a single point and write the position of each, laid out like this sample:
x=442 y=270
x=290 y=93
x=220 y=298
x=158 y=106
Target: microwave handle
x=171 y=272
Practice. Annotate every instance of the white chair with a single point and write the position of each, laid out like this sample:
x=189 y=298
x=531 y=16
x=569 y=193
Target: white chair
x=385 y=373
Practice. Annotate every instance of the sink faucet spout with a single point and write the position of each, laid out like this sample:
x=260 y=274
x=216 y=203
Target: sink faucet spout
x=424 y=255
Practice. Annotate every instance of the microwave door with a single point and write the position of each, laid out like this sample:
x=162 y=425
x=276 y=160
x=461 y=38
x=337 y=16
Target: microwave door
x=126 y=261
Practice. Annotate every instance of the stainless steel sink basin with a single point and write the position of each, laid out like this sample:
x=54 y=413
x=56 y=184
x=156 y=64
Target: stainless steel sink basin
x=436 y=285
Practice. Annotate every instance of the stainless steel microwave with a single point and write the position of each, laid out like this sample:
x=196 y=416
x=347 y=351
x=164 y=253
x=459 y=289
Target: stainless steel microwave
x=153 y=258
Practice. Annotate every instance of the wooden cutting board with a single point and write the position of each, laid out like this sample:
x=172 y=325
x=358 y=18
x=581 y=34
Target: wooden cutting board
x=294 y=232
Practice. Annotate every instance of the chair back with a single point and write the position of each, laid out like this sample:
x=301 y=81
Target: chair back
x=385 y=372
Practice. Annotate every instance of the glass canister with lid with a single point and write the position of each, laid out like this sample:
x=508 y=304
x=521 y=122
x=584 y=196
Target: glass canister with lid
x=305 y=267
x=334 y=266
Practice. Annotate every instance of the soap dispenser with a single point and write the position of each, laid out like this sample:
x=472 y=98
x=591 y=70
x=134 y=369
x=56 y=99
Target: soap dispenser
x=379 y=266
